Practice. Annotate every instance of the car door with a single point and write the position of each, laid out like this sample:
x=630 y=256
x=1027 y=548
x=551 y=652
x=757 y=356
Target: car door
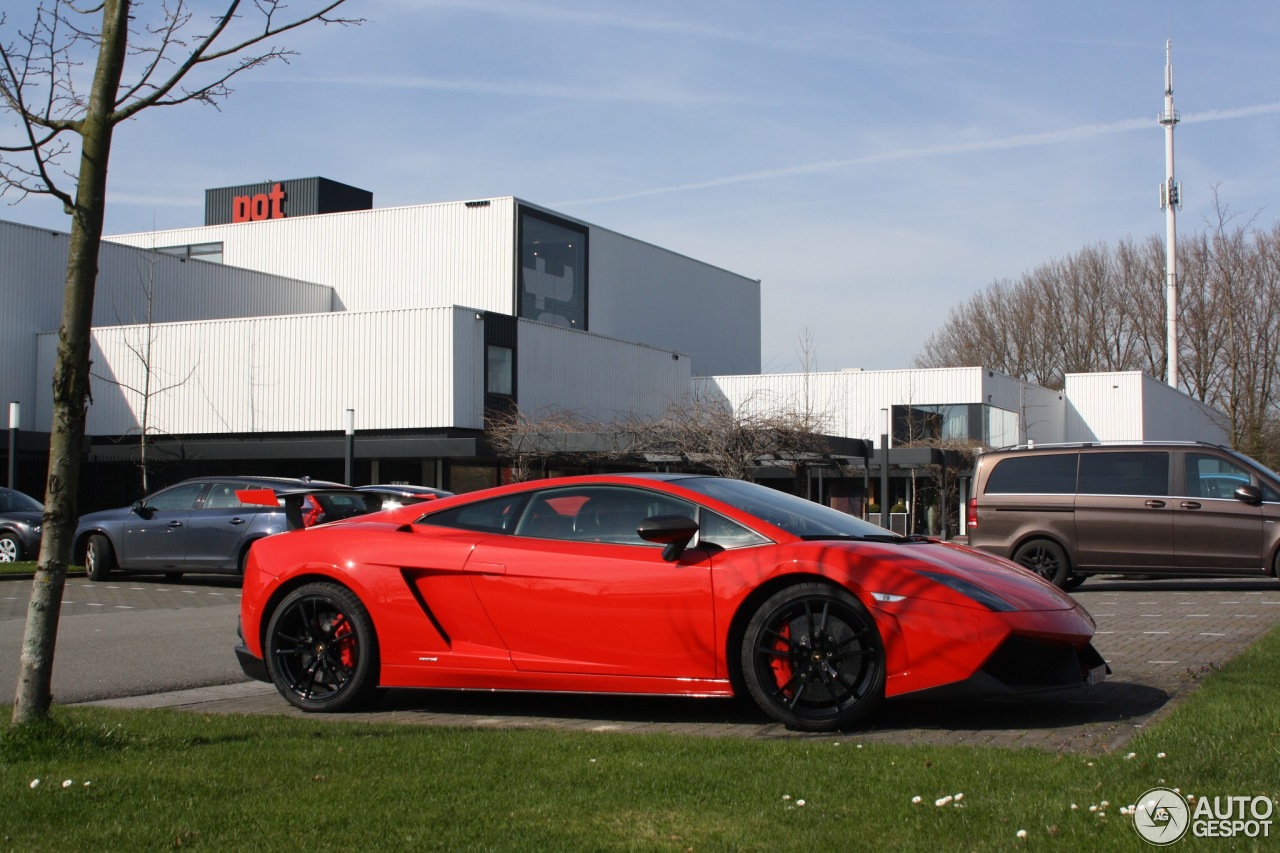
x=1214 y=530
x=217 y=527
x=1124 y=512
x=153 y=535
x=580 y=592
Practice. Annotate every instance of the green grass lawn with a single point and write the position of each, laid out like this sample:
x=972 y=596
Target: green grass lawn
x=29 y=567
x=130 y=780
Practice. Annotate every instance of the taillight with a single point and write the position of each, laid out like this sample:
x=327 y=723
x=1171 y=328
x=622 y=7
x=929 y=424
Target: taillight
x=971 y=517
x=314 y=512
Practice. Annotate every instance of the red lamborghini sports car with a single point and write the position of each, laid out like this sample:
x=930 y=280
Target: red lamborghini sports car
x=649 y=584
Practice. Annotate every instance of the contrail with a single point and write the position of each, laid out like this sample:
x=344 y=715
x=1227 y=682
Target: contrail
x=1026 y=140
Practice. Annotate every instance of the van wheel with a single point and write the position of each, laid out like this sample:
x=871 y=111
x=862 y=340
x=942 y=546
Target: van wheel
x=1046 y=559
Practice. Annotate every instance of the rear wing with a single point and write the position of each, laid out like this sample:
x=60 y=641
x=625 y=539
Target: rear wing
x=327 y=504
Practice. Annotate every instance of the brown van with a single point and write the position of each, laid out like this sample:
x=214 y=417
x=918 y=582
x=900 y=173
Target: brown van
x=1067 y=511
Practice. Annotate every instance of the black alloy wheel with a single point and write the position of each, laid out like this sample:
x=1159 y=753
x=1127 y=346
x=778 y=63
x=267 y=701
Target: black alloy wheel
x=1045 y=558
x=321 y=651
x=813 y=659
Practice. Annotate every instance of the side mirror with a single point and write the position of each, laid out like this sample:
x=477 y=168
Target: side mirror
x=674 y=531
x=139 y=508
x=1249 y=494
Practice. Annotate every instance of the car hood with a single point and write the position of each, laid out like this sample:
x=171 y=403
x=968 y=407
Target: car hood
x=882 y=563
x=30 y=518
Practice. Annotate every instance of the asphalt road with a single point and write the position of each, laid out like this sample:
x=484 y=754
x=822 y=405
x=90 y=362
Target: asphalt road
x=127 y=637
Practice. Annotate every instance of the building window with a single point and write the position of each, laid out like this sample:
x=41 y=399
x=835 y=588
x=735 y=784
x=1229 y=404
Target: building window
x=499 y=362
x=552 y=276
x=211 y=252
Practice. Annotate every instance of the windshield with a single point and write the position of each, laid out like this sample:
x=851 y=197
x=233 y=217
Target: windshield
x=795 y=515
x=1255 y=464
x=11 y=501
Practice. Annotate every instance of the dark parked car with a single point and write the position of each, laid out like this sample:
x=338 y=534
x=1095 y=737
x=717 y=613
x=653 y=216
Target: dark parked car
x=394 y=495
x=200 y=525
x=20 y=516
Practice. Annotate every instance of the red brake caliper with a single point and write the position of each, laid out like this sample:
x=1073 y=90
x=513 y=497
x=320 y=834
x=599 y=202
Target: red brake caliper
x=781 y=664
x=344 y=635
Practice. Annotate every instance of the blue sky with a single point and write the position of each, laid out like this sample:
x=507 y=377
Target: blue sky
x=873 y=164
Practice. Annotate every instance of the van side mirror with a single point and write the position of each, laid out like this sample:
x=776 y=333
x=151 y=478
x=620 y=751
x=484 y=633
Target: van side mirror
x=1249 y=494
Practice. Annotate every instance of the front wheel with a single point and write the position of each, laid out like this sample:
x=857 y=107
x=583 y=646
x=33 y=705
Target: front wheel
x=1046 y=559
x=321 y=651
x=812 y=658
x=10 y=548
x=99 y=559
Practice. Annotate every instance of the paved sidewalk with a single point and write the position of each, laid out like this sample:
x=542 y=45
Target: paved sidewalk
x=1160 y=637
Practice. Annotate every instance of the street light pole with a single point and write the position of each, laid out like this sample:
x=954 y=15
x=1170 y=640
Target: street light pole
x=15 y=416
x=350 y=429
x=884 y=472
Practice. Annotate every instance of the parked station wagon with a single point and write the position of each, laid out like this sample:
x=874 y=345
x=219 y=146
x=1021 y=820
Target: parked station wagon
x=1067 y=511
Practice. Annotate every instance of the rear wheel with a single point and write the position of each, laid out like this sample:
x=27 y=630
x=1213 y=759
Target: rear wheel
x=321 y=651
x=99 y=558
x=1045 y=558
x=812 y=658
x=10 y=548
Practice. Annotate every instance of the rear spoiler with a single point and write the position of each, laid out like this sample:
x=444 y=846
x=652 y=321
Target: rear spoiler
x=291 y=501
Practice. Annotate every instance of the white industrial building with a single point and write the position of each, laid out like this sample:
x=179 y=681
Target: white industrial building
x=257 y=337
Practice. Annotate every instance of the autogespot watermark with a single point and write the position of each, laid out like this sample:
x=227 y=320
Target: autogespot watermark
x=1163 y=815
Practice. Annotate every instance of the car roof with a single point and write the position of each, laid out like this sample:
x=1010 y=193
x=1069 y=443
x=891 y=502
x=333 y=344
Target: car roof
x=269 y=482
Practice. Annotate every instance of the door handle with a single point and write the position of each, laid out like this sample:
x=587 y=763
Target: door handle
x=1190 y=504
x=236 y=520
x=1155 y=504
x=175 y=523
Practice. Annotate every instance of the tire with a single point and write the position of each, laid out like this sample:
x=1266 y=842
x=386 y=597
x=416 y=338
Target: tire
x=812 y=658
x=99 y=558
x=10 y=548
x=321 y=650
x=1045 y=558
x=1074 y=581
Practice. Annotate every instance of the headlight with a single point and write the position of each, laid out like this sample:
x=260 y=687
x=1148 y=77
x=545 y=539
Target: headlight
x=985 y=597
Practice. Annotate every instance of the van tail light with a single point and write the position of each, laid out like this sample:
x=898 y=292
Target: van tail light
x=971 y=517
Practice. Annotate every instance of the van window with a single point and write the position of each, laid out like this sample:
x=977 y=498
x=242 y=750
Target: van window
x=1213 y=477
x=1137 y=473
x=1050 y=474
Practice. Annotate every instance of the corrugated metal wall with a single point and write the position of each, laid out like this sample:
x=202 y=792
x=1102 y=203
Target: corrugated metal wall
x=595 y=376
x=849 y=403
x=33 y=277
x=1132 y=406
x=425 y=256
x=640 y=292
x=279 y=374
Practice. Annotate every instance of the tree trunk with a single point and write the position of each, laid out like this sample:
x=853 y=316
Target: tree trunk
x=34 y=692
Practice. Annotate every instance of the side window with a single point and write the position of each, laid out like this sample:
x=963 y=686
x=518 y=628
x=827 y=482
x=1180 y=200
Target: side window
x=177 y=498
x=597 y=514
x=222 y=496
x=718 y=530
x=1124 y=473
x=1047 y=474
x=1210 y=476
x=495 y=516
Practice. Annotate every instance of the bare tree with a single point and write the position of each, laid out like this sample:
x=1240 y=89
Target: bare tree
x=137 y=64
x=141 y=341
x=1104 y=309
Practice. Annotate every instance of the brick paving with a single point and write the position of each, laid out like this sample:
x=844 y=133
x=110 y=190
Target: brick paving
x=1160 y=638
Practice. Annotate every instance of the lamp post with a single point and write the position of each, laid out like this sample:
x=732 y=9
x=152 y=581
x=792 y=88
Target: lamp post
x=349 y=428
x=884 y=472
x=15 y=417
